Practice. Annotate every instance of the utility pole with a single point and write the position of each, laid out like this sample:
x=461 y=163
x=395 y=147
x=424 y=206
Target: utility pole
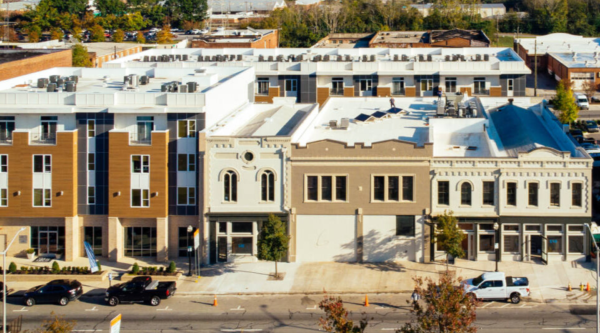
x=535 y=69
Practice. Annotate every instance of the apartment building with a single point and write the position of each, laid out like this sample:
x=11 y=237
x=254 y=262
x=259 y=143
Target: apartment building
x=109 y=156
x=455 y=38
x=513 y=177
x=485 y=10
x=313 y=75
x=238 y=38
x=247 y=175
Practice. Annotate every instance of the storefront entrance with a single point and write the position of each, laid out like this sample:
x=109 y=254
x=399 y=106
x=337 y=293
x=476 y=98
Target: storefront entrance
x=538 y=248
x=48 y=242
x=468 y=246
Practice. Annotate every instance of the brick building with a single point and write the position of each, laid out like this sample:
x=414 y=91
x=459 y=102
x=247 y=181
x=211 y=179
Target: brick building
x=14 y=63
x=248 y=38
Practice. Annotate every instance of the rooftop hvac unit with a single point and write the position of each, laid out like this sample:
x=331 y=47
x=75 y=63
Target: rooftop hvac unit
x=144 y=80
x=421 y=57
x=261 y=58
x=270 y=58
x=71 y=86
x=280 y=58
x=192 y=87
x=300 y=57
x=51 y=87
x=478 y=57
x=171 y=57
x=404 y=57
x=134 y=80
x=178 y=57
x=74 y=78
x=396 y=57
x=146 y=58
x=206 y=58
x=486 y=57
x=126 y=79
x=185 y=57
x=372 y=57
x=60 y=81
x=463 y=58
x=447 y=58
x=42 y=82
x=183 y=88
x=54 y=78
x=326 y=58
x=164 y=87
x=239 y=57
x=153 y=58
x=429 y=57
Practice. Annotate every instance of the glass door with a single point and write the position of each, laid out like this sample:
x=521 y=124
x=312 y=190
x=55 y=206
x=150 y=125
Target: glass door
x=222 y=249
x=291 y=88
x=48 y=242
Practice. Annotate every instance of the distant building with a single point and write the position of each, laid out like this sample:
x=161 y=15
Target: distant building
x=239 y=38
x=345 y=40
x=239 y=6
x=18 y=62
x=486 y=10
x=435 y=38
x=103 y=52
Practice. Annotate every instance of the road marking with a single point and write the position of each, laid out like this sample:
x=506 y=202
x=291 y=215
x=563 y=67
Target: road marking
x=92 y=309
x=22 y=310
x=165 y=309
x=381 y=307
x=239 y=308
x=563 y=328
x=485 y=306
x=242 y=330
x=505 y=305
x=313 y=308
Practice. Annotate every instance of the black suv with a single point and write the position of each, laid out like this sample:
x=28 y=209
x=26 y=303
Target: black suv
x=57 y=291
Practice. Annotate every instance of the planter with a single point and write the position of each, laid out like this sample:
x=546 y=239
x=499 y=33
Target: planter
x=164 y=278
x=30 y=256
x=47 y=277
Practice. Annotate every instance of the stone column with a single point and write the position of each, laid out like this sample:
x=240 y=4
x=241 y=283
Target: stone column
x=115 y=239
x=73 y=241
x=359 y=235
x=162 y=239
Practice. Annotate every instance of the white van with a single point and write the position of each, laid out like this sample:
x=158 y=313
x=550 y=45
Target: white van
x=582 y=101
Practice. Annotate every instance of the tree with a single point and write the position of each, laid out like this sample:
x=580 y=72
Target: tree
x=45 y=16
x=589 y=88
x=57 y=324
x=164 y=36
x=336 y=317
x=76 y=7
x=118 y=36
x=115 y=7
x=274 y=241
x=140 y=38
x=188 y=10
x=449 y=236
x=56 y=33
x=81 y=57
x=565 y=103
x=12 y=35
x=34 y=33
x=97 y=34
x=444 y=307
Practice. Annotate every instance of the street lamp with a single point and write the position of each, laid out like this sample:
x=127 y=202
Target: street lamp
x=597 y=278
x=189 y=232
x=496 y=247
x=4 y=279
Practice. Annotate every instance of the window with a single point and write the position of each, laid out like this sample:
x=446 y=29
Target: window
x=145 y=126
x=267 y=186
x=576 y=195
x=511 y=243
x=379 y=188
x=407 y=188
x=93 y=235
x=91 y=195
x=185 y=240
x=533 y=194
x=451 y=84
x=291 y=85
x=186 y=129
x=222 y=227
x=321 y=188
x=582 y=76
x=186 y=162
x=42 y=197
x=7 y=126
x=575 y=244
x=488 y=193
x=555 y=194
x=140 y=242
x=576 y=228
x=91 y=128
x=241 y=245
x=186 y=196
x=48 y=128
x=486 y=226
x=140 y=198
x=366 y=84
x=42 y=163
x=511 y=194
x=405 y=225
x=443 y=193
x=393 y=190
x=486 y=243
x=230 y=186
x=533 y=227
x=426 y=84
x=262 y=87
x=140 y=163
x=554 y=244
x=398 y=86
x=91 y=161
x=337 y=86
x=511 y=227
x=554 y=227
x=479 y=83
x=510 y=84
x=4 y=197
x=465 y=194
x=3 y=163
x=241 y=227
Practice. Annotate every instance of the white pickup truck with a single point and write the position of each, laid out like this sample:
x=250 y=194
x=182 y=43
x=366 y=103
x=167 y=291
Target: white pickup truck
x=495 y=286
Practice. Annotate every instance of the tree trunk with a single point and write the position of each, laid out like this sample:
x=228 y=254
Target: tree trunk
x=276 y=275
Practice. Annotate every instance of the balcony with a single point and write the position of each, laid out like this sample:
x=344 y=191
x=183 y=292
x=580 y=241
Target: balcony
x=43 y=138
x=143 y=139
x=6 y=139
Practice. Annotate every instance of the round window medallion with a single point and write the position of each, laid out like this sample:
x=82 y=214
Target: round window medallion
x=248 y=156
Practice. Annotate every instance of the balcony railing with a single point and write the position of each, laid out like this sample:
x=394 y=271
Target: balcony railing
x=6 y=139
x=140 y=139
x=43 y=138
x=337 y=92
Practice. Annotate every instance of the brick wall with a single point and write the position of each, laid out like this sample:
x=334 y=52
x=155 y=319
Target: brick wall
x=17 y=68
x=270 y=41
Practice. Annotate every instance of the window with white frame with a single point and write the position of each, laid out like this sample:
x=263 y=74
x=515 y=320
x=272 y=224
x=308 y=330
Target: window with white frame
x=510 y=238
x=426 y=84
x=532 y=189
x=554 y=194
x=576 y=197
x=511 y=194
x=366 y=84
x=3 y=163
x=42 y=197
x=479 y=85
x=392 y=188
x=91 y=161
x=488 y=193
x=140 y=198
x=186 y=196
x=582 y=76
x=465 y=194
x=7 y=126
x=326 y=188
x=186 y=162
x=42 y=163
x=262 y=86
x=186 y=129
x=450 y=84
x=398 y=86
x=91 y=128
x=140 y=163
x=230 y=186
x=267 y=186
x=337 y=86
x=443 y=192
x=91 y=195
x=4 y=197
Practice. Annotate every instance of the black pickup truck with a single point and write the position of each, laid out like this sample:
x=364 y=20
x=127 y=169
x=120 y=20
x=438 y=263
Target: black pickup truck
x=140 y=290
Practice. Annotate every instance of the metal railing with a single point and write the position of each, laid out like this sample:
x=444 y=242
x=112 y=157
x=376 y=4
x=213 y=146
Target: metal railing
x=43 y=138
x=6 y=139
x=140 y=139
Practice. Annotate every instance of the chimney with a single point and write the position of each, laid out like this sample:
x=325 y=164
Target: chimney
x=510 y=101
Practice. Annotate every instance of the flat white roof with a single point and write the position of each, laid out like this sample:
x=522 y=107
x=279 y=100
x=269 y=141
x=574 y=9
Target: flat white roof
x=559 y=43
x=578 y=60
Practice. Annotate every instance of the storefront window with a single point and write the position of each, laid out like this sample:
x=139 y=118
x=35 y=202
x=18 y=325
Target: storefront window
x=511 y=227
x=185 y=241
x=575 y=244
x=241 y=245
x=533 y=227
x=140 y=242
x=486 y=243
x=241 y=227
x=554 y=244
x=93 y=235
x=511 y=243
x=48 y=240
x=554 y=228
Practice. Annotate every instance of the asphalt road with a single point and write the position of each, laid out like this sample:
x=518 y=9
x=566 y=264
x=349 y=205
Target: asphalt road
x=297 y=313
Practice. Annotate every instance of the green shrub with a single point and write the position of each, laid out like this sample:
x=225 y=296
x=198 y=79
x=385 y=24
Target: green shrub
x=172 y=267
x=161 y=269
x=12 y=267
x=23 y=268
x=55 y=268
x=135 y=269
x=30 y=251
x=99 y=266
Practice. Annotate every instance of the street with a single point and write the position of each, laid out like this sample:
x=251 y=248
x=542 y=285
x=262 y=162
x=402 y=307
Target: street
x=292 y=313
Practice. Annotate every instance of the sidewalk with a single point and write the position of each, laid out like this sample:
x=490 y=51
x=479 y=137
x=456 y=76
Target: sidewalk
x=548 y=283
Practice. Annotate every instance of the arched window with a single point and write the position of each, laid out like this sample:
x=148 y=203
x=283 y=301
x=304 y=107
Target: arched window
x=465 y=194
x=230 y=186
x=267 y=186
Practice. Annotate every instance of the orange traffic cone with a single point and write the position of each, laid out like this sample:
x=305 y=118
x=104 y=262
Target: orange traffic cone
x=569 y=287
x=215 y=301
x=366 y=300
x=588 y=287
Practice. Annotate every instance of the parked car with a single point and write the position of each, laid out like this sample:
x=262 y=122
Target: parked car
x=57 y=291
x=582 y=101
x=576 y=134
x=140 y=290
x=497 y=286
x=203 y=31
x=591 y=126
x=196 y=31
x=154 y=30
x=587 y=140
x=589 y=146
